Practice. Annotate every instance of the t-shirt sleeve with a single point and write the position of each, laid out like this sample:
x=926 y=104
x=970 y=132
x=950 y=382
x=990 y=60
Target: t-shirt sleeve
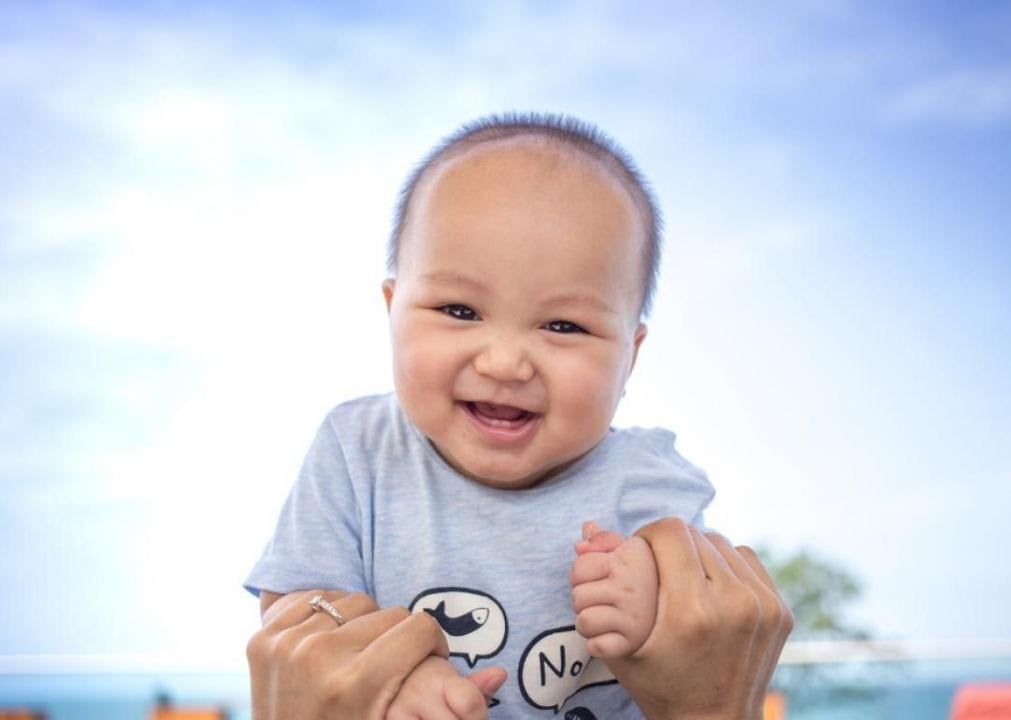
x=660 y=483
x=317 y=542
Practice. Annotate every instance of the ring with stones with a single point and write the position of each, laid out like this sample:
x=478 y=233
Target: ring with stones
x=320 y=603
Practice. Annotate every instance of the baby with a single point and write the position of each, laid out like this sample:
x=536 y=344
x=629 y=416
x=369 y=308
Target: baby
x=523 y=257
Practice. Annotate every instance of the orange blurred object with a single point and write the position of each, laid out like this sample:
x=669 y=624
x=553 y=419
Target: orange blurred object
x=175 y=713
x=775 y=706
x=982 y=701
x=21 y=714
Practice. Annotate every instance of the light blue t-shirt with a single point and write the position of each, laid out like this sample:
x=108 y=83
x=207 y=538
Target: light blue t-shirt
x=376 y=509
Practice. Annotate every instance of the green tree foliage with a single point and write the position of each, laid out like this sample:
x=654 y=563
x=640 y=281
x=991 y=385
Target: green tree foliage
x=819 y=592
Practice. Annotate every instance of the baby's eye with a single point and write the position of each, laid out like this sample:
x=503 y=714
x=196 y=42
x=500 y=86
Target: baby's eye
x=460 y=312
x=564 y=326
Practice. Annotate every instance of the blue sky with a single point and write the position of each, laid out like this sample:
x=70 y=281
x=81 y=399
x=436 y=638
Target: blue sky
x=193 y=204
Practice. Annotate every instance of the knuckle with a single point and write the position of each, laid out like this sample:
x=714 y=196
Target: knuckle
x=788 y=619
x=716 y=537
x=309 y=649
x=747 y=551
x=673 y=523
x=282 y=645
x=305 y=597
x=423 y=618
x=399 y=613
x=362 y=600
x=256 y=648
x=430 y=625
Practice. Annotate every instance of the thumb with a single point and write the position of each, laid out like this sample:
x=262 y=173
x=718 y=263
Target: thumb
x=596 y=539
x=489 y=680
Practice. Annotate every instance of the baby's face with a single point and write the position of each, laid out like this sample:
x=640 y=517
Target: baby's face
x=515 y=311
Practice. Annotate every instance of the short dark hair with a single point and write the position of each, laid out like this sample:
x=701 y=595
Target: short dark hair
x=561 y=129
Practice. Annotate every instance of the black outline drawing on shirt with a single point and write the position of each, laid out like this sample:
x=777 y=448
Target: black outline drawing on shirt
x=461 y=624
x=559 y=671
x=579 y=713
x=467 y=621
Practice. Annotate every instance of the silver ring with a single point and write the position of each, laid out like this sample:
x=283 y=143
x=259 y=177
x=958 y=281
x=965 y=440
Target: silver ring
x=319 y=603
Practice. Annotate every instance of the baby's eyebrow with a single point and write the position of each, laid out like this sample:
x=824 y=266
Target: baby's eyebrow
x=577 y=298
x=451 y=277
x=563 y=299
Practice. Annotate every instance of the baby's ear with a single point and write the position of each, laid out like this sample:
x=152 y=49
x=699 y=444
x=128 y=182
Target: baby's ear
x=640 y=335
x=389 y=285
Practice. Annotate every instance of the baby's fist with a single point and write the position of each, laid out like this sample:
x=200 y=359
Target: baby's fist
x=614 y=592
x=436 y=691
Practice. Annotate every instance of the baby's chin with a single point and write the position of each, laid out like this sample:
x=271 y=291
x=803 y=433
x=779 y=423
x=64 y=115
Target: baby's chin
x=508 y=478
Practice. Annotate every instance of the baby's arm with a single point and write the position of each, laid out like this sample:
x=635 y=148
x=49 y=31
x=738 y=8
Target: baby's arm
x=436 y=691
x=614 y=592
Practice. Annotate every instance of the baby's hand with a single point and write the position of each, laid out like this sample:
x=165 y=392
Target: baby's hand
x=614 y=592
x=436 y=691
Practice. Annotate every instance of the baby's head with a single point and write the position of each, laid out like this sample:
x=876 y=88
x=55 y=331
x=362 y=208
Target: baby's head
x=524 y=256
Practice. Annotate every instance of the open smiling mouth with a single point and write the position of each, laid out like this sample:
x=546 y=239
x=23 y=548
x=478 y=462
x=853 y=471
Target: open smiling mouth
x=502 y=423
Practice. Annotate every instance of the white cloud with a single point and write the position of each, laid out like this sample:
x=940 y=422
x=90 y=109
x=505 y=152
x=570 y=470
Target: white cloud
x=973 y=98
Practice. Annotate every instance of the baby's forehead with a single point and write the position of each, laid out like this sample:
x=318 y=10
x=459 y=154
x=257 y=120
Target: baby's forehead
x=532 y=155
x=526 y=170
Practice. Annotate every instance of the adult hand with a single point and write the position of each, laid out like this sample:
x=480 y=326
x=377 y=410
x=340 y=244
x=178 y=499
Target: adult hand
x=720 y=627
x=303 y=666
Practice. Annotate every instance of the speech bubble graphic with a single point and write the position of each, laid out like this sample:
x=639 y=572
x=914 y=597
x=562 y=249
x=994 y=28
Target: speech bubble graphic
x=556 y=665
x=473 y=622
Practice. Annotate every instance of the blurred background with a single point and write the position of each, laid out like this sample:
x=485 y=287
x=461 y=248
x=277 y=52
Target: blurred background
x=194 y=202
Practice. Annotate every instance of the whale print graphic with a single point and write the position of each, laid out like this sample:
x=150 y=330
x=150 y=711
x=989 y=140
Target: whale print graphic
x=473 y=622
x=462 y=624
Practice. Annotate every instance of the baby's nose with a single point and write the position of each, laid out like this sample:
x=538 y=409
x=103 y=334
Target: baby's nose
x=504 y=362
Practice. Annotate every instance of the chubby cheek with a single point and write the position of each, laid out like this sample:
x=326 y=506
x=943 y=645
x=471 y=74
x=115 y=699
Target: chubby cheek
x=422 y=374
x=584 y=395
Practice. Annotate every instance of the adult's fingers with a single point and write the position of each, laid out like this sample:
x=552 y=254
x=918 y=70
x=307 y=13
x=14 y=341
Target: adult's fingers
x=362 y=633
x=785 y=614
x=715 y=567
x=287 y=610
x=779 y=617
x=350 y=607
x=386 y=660
x=294 y=609
x=674 y=550
x=751 y=557
x=733 y=559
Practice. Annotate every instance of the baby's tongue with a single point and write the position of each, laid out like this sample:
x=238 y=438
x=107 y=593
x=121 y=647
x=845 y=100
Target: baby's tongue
x=499 y=412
